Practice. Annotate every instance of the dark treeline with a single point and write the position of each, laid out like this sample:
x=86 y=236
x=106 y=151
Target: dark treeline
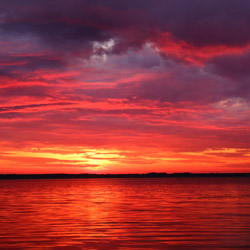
x=148 y=175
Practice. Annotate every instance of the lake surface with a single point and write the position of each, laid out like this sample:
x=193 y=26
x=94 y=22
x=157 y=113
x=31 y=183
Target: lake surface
x=109 y=214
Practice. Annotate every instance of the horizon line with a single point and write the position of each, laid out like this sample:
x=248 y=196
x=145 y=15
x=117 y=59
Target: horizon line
x=129 y=175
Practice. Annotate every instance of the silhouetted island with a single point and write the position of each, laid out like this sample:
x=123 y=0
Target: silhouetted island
x=147 y=175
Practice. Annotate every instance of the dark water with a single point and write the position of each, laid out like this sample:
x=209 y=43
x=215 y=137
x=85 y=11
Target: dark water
x=107 y=214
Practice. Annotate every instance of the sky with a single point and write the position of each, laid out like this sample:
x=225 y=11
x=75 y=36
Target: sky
x=94 y=86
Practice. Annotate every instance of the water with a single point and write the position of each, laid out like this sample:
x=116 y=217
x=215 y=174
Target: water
x=110 y=214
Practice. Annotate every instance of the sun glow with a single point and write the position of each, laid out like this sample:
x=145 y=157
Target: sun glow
x=94 y=159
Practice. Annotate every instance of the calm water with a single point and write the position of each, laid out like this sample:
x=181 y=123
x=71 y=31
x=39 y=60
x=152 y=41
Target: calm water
x=107 y=214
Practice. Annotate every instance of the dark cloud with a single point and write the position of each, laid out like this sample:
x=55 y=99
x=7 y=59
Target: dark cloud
x=74 y=25
x=204 y=23
x=235 y=70
x=18 y=66
x=235 y=67
x=21 y=107
x=66 y=29
x=37 y=91
x=179 y=84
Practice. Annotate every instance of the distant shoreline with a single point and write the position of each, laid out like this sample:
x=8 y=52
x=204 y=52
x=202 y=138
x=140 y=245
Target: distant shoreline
x=147 y=175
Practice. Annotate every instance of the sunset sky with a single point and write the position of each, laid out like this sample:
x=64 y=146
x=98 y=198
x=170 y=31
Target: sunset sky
x=115 y=86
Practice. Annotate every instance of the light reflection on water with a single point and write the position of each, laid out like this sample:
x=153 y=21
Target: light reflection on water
x=163 y=213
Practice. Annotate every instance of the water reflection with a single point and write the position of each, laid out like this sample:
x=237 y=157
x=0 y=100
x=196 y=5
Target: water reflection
x=172 y=213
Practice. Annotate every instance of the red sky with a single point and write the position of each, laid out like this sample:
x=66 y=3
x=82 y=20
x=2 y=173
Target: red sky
x=124 y=86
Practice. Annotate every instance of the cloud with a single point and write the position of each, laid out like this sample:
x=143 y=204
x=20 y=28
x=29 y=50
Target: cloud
x=38 y=91
x=72 y=27
x=234 y=67
x=172 y=83
x=21 y=107
x=23 y=67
